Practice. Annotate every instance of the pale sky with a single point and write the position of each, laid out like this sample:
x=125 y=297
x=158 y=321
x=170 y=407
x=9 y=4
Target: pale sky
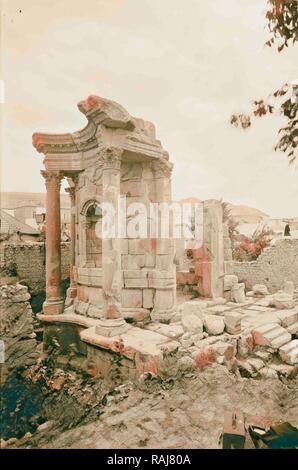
x=184 y=65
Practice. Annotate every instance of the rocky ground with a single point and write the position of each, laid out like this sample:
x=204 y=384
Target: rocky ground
x=182 y=412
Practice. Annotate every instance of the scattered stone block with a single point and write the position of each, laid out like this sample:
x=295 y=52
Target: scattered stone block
x=214 y=325
x=282 y=301
x=256 y=364
x=233 y=322
x=260 y=290
x=287 y=318
x=238 y=293
x=268 y=373
x=192 y=324
x=193 y=308
x=293 y=329
x=271 y=334
x=289 y=352
x=229 y=281
x=282 y=369
x=245 y=345
x=222 y=348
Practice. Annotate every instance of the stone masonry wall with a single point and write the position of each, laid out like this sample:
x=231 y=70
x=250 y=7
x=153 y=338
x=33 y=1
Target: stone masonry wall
x=276 y=264
x=29 y=262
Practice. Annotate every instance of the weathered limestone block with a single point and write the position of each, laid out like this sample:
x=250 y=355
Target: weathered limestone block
x=289 y=352
x=133 y=261
x=230 y=280
x=193 y=307
x=213 y=324
x=293 y=329
x=139 y=246
x=137 y=282
x=271 y=334
x=161 y=279
x=131 y=298
x=245 y=345
x=163 y=299
x=225 y=349
x=233 y=322
x=229 y=267
x=163 y=262
x=282 y=300
x=287 y=317
x=192 y=324
x=148 y=296
x=238 y=293
x=260 y=290
x=164 y=246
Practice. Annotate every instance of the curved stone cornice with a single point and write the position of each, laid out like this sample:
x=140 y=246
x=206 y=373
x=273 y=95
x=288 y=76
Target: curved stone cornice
x=106 y=112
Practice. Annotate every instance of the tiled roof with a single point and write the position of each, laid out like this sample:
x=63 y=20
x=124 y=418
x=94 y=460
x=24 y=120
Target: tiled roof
x=9 y=224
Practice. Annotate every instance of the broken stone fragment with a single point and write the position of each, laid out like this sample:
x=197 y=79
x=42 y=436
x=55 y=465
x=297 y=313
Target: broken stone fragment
x=260 y=290
x=282 y=300
x=271 y=334
x=268 y=373
x=191 y=323
x=289 y=352
x=287 y=317
x=233 y=322
x=229 y=281
x=238 y=293
x=214 y=325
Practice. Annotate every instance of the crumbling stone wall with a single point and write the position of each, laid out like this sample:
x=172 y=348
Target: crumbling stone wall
x=28 y=261
x=276 y=264
x=16 y=329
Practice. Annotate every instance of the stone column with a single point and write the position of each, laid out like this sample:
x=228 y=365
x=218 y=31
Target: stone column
x=72 y=290
x=54 y=303
x=163 y=279
x=113 y=323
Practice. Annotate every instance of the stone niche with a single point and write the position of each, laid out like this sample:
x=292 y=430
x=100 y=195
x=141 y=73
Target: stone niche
x=115 y=155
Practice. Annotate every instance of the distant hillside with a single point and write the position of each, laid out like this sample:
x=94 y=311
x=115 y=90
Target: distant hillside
x=11 y=200
x=246 y=215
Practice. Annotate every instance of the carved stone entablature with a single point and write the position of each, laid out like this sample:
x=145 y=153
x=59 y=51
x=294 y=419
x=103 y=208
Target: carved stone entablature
x=162 y=168
x=52 y=179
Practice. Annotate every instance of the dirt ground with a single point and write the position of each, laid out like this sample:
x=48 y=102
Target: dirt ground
x=186 y=412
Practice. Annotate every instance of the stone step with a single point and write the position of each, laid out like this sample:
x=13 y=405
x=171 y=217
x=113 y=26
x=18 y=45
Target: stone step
x=289 y=352
x=271 y=334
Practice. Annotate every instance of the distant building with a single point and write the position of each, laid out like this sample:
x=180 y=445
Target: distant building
x=28 y=207
x=14 y=230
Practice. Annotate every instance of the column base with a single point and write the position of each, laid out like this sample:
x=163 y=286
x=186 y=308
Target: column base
x=113 y=327
x=53 y=307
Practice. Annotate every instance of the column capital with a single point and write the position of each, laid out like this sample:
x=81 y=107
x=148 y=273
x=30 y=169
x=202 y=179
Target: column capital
x=162 y=168
x=52 y=179
x=111 y=158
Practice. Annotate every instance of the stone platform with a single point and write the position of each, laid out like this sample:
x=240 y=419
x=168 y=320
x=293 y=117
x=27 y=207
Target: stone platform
x=139 y=350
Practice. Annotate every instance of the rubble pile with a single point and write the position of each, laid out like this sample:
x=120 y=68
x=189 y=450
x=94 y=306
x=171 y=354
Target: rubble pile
x=257 y=337
x=16 y=329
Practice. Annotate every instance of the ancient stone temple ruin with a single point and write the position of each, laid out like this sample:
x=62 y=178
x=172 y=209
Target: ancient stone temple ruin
x=118 y=280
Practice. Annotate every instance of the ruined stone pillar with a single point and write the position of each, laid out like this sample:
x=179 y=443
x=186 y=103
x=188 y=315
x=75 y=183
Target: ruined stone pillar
x=72 y=290
x=163 y=279
x=54 y=303
x=113 y=322
x=210 y=265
